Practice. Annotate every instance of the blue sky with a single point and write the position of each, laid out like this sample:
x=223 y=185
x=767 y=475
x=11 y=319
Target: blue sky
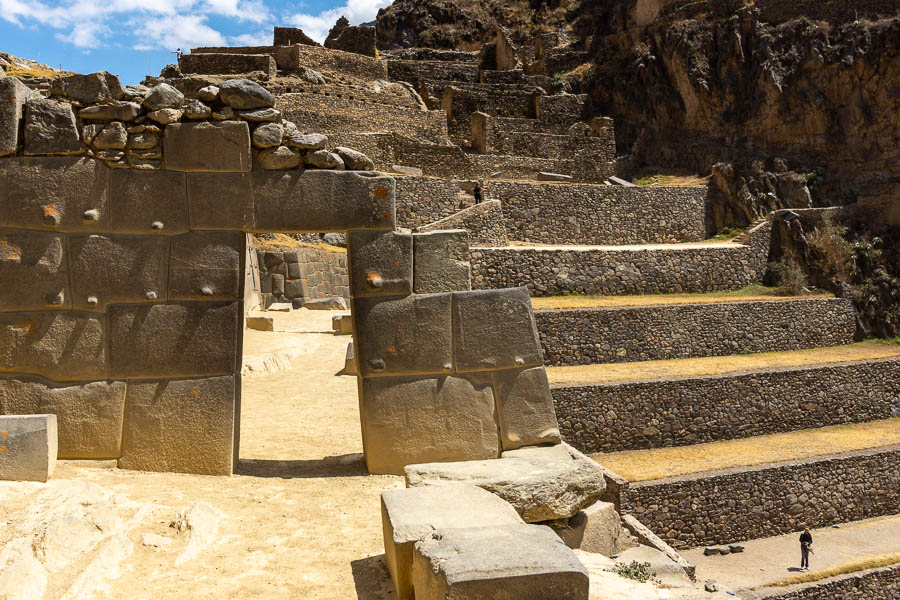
x=135 y=38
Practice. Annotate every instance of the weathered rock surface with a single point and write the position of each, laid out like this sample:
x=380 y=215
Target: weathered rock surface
x=411 y=514
x=542 y=483
x=119 y=111
x=354 y=160
x=88 y=89
x=442 y=262
x=50 y=128
x=280 y=158
x=382 y=263
x=323 y=159
x=243 y=94
x=14 y=94
x=163 y=95
x=526 y=562
x=268 y=135
x=29 y=445
x=208 y=147
x=306 y=141
x=111 y=137
x=525 y=408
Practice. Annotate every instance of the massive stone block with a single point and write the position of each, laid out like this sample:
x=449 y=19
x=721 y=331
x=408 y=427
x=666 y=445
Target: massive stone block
x=525 y=562
x=148 y=202
x=442 y=261
x=381 y=263
x=411 y=514
x=91 y=88
x=495 y=329
x=206 y=265
x=27 y=447
x=542 y=483
x=220 y=201
x=108 y=269
x=404 y=335
x=33 y=271
x=323 y=201
x=409 y=420
x=89 y=416
x=183 y=426
x=183 y=339
x=50 y=128
x=208 y=147
x=13 y=94
x=58 y=194
x=62 y=346
x=525 y=408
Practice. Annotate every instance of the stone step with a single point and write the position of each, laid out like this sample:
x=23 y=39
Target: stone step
x=715 y=507
x=667 y=331
x=622 y=270
x=611 y=416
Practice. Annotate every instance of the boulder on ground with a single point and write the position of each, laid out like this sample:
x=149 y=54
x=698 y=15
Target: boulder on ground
x=243 y=94
x=411 y=514
x=525 y=562
x=29 y=447
x=542 y=483
x=354 y=160
x=603 y=532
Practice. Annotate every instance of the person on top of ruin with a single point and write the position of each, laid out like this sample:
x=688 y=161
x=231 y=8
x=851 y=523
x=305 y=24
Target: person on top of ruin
x=805 y=548
x=477 y=192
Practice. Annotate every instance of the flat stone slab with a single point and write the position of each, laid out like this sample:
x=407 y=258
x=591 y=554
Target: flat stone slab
x=28 y=447
x=525 y=562
x=542 y=483
x=411 y=514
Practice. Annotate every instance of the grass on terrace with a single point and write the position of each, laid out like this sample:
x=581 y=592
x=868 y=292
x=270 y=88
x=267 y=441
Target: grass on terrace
x=747 y=294
x=286 y=242
x=719 y=365
x=643 y=465
x=853 y=566
x=662 y=179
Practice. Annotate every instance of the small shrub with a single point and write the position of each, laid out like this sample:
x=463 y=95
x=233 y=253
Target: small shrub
x=636 y=570
x=835 y=254
x=559 y=78
x=789 y=277
x=728 y=233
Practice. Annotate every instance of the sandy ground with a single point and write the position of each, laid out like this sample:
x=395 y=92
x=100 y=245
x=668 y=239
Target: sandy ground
x=642 y=465
x=301 y=516
x=770 y=559
x=576 y=302
x=721 y=365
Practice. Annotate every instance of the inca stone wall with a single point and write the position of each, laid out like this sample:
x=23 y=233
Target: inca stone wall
x=615 y=272
x=227 y=64
x=357 y=65
x=694 y=410
x=721 y=507
x=287 y=58
x=302 y=274
x=483 y=221
x=872 y=584
x=580 y=214
x=316 y=112
x=624 y=334
x=545 y=145
x=566 y=214
x=412 y=71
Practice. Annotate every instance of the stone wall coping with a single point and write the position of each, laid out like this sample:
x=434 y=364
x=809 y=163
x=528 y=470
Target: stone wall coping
x=729 y=375
x=771 y=466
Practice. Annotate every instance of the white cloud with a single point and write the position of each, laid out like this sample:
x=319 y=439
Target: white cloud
x=249 y=10
x=317 y=25
x=180 y=31
x=260 y=38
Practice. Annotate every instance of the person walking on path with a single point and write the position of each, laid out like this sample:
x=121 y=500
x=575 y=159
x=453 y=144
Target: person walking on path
x=477 y=192
x=805 y=548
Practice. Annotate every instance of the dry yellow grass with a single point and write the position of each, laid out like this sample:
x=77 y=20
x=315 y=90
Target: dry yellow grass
x=853 y=566
x=749 y=294
x=643 y=465
x=35 y=72
x=665 y=180
x=720 y=365
x=286 y=242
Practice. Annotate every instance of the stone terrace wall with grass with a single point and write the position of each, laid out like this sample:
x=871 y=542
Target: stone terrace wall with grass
x=412 y=71
x=327 y=114
x=871 y=584
x=727 y=506
x=302 y=273
x=610 y=417
x=663 y=332
x=348 y=63
x=556 y=271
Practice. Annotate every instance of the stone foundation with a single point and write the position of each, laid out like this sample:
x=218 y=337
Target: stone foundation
x=302 y=274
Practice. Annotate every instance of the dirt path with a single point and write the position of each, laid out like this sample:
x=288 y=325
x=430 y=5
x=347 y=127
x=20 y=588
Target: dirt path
x=770 y=559
x=301 y=518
